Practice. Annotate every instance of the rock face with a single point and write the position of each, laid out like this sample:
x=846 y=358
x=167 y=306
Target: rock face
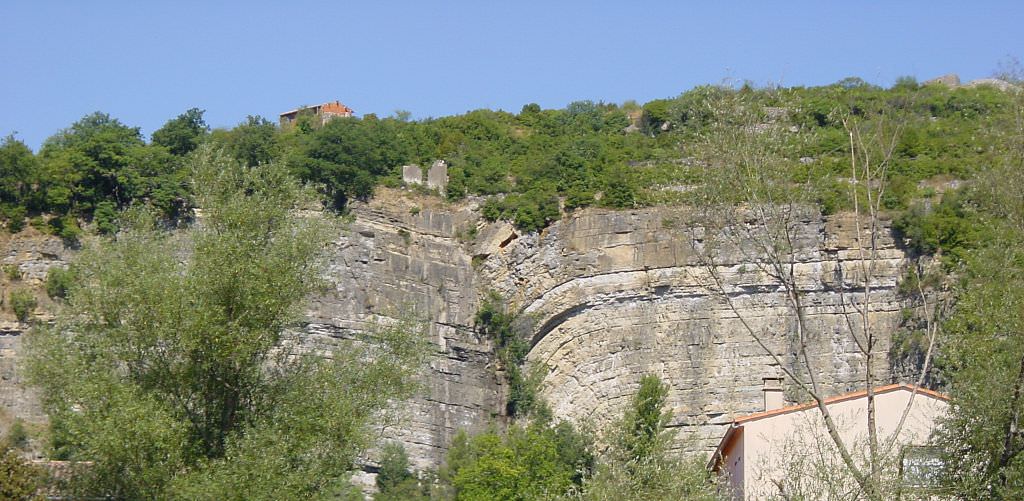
x=32 y=254
x=397 y=262
x=952 y=81
x=615 y=295
x=609 y=296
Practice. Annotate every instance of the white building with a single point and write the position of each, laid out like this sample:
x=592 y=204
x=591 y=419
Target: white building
x=786 y=451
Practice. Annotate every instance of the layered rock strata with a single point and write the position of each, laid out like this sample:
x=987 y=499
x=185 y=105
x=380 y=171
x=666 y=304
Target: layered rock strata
x=608 y=295
x=615 y=295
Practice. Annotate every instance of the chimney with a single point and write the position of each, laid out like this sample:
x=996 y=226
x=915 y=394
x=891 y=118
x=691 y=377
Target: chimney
x=773 y=398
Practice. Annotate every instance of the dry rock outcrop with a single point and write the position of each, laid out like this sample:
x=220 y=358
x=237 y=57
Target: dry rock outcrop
x=608 y=295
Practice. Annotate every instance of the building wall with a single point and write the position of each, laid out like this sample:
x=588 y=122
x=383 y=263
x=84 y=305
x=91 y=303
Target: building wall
x=736 y=465
x=795 y=448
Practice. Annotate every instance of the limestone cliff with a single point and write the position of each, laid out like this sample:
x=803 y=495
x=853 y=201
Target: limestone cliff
x=610 y=295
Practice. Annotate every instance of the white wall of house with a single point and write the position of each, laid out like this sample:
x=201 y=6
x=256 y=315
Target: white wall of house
x=794 y=448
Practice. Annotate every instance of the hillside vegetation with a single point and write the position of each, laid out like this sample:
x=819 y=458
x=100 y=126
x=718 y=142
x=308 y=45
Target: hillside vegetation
x=535 y=164
x=210 y=420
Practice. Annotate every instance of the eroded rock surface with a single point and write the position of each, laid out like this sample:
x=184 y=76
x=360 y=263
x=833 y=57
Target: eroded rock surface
x=615 y=295
x=610 y=296
x=29 y=255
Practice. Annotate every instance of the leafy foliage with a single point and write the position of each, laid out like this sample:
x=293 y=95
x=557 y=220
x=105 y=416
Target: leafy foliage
x=166 y=367
x=496 y=322
x=543 y=460
x=18 y=479
x=16 y=436
x=982 y=354
x=183 y=134
x=534 y=165
x=640 y=465
x=948 y=229
x=23 y=303
x=530 y=462
x=395 y=481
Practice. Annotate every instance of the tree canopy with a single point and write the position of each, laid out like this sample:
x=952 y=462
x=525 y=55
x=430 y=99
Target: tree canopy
x=169 y=367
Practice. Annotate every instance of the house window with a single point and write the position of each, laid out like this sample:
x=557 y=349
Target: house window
x=921 y=466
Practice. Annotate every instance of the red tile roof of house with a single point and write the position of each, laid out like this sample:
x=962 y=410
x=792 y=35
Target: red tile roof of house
x=838 y=398
x=335 y=107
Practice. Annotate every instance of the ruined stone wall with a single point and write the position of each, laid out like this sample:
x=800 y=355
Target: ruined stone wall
x=610 y=295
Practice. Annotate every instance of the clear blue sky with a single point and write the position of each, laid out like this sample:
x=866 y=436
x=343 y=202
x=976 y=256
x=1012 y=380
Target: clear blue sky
x=147 y=61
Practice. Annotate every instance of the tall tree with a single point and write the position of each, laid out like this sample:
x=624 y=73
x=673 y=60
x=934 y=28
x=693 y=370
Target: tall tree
x=253 y=142
x=170 y=369
x=18 y=171
x=182 y=134
x=639 y=463
x=98 y=159
x=983 y=356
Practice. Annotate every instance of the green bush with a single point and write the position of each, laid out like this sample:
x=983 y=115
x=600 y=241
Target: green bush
x=22 y=303
x=66 y=227
x=534 y=462
x=15 y=217
x=39 y=223
x=395 y=481
x=16 y=437
x=58 y=280
x=105 y=217
x=496 y=322
x=18 y=478
x=949 y=228
x=12 y=272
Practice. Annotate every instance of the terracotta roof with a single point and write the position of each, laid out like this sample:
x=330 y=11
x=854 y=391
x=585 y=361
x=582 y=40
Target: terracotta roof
x=335 y=107
x=739 y=422
x=839 y=398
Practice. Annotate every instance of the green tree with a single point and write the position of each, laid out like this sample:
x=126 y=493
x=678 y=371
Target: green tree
x=18 y=479
x=348 y=156
x=536 y=461
x=100 y=160
x=105 y=218
x=640 y=465
x=395 y=481
x=166 y=367
x=182 y=134
x=92 y=159
x=984 y=358
x=645 y=422
x=252 y=142
x=19 y=170
x=983 y=349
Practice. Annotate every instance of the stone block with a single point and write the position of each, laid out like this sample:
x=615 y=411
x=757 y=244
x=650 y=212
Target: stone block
x=437 y=176
x=412 y=174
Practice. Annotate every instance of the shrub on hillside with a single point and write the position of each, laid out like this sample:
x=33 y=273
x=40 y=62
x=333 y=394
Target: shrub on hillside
x=58 y=280
x=15 y=217
x=22 y=303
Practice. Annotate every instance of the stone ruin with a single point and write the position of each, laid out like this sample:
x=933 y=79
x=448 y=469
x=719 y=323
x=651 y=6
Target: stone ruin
x=412 y=174
x=436 y=176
